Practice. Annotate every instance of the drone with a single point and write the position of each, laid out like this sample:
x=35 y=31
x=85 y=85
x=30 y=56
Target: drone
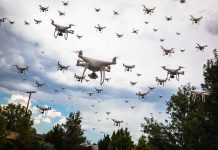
x=200 y=47
x=99 y=28
x=62 y=67
x=133 y=83
x=132 y=107
x=117 y=122
x=2 y=20
x=79 y=36
x=93 y=105
x=39 y=85
x=148 y=10
x=98 y=90
x=169 y=18
x=173 y=72
x=44 y=109
x=178 y=33
x=21 y=69
x=182 y=1
x=160 y=96
x=116 y=12
x=107 y=79
x=37 y=21
x=195 y=20
x=142 y=95
x=155 y=30
x=43 y=9
x=146 y=22
x=11 y=22
x=97 y=9
x=138 y=74
x=26 y=23
x=167 y=51
x=126 y=101
x=160 y=81
x=95 y=65
x=89 y=93
x=135 y=31
x=61 y=13
x=87 y=80
x=182 y=50
x=128 y=67
x=201 y=93
x=79 y=78
x=108 y=113
x=162 y=40
x=151 y=88
x=65 y=3
x=61 y=29
x=119 y=35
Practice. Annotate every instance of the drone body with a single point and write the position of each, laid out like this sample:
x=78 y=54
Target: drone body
x=79 y=78
x=61 y=13
x=169 y=18
x=44 y=110
x=135 y=31
x=39 y=85
x=2 y=20
x=43 y=9
x=160 y=81
x=148 y=10
x=65 y=3
x=62 y=67
x=37 y=21
x=142 y=94
x=116 y=12
x=21 y=69
x=117 y=122
x=195 y=20
x=26 y=23
x=173 y=72
x=98 y=90
x=100 y=28
x=201 y=47
x=128 y=67
x=119 y=35
x=97 y=9
x=167 y=51
x=132 y=83
x=200 y=93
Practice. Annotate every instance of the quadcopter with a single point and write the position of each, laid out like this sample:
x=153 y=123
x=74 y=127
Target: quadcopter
x=89 y=93
x=79 y=36
x=160 y=81
x=93 y=105
x=107 y=79
x=99 y=28
x=151 y=88
x=135 y=31
x=162 y=40
x=155 y=30
x=79 y=78
x=61 y=29
x=138 y=74
x=119 y=35
x=132 y=107
x=97 y=9
x=11 y=22
x=65 y=3
x=182 y=50
x=44 y=109
x=173 y=72
x=37 y=21
x=98 y=90
x=116 y=12
x=133 y=83
x=142 y=95
x=167 y=51
x=43 y=9
x=2 y=20
x=195 y=20
x=200 y=47
x=95 y=65
x=21 y=69
x=146 y=22
x=61 y=13
x=87 y=80
x=117 y=122
x=182 y=1
x=169 y=18
x=108 y=113
x=201 y=93
x=128 y=67
x=148 y=10
x=62 y=67
x=26 y=23
x=126 y=101
x=160 y=96
x=39 y=85
x=178 y=33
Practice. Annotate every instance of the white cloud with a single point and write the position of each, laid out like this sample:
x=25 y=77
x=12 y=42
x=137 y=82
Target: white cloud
x=19 y=99
x=46 y=120
x=61 y=121
x=37 y=120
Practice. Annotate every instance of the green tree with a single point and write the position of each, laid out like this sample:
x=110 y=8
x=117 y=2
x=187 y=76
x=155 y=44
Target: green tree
x=56 y=137
x=142 y=144
x=103 y=144
x=121 y=140
x=74 y=137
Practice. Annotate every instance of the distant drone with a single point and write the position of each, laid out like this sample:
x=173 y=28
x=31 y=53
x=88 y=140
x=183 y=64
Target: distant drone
x=182 y=1
x=99 y=28
x=182 y=50
x=119 y=35
x=90 y=93
x=162 y=40
x=65 y=3
x=61 y=13
x=26 y=23
x=21 y=69
x=79 y=36
x=173 y=72
x=195 y=20
x=138 y=74
x=116 y=12
x=2 y=20
x=62 y=67
x=160 y=81
x=132 y=107
x=146 y=22
x=108 y=113
x=11 y=22
x=178 y=33
x=148 y=10
x=155 y=30
x=167 y=51
x=43 y=9
x=97 y=9
x=126 y=101
x=79 y=78
x=117 y=122
x=128 y=67
x=151 y=88
x=142 y=95
x=37 y=21
x=133 y=83
x=135 y=31
x=107 y=79
x=98 y=90
x=201 y=47
x=201 y=93
x=39 y=85
x=95 y=65
x=44 y=110
x=169 y=18
x=61 y=29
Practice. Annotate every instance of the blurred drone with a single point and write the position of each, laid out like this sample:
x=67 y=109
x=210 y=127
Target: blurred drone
x=117 y=122
x=79 y=78
x=195 y=20
x=167 y=51
x=65 y=3
x=142 y=95
x=169 y=18
x=21 y=69
x=37 y=21
x=201 y=47
x=99 y=28
x=62 y=67
x=95 y=65
x=89 y=93
x=26 y=23
x=79 y=36
x=98 y=90
x=135 y=31
x=128 y=67
x=2 y=20
x=107 y=79
x=182 y=1
x=43 y=9
x=174 y=72
x=133 y=83
x=148 y=10
x=11 y=22
x=97 y=9
x=44 y=110
x=116 y=12
x=201 y=93
x=160 y=81
x=138 y=74
x=39 y=85
x=61 y=13
x=119 y=35
x=155 y=30
x=162 y=40
x=108 y=113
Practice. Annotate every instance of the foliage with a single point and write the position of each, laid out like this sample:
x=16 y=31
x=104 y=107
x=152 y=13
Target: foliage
x=74 y=138
x=142 y=144
x=121 y=140
x=41 y=145
x=103 y=144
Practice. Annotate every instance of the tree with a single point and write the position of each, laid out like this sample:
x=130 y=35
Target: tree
x=56 y=137
x=121 y=140
x=142 y=144
x=103 y=144
x=74 y=138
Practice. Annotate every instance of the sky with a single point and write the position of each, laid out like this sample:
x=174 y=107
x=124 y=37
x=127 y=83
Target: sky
x=142 y=50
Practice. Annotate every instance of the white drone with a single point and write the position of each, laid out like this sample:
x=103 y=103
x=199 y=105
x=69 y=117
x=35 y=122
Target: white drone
x=94 y=65
x=133 y=83
x=62 y=67
x=201 y=93
x=2 y=20
x=21 y=69
x=117 y=122
x=148 y=10
x=43 y=9
x=79 y=78
x=195 y=20
x=142 y=94
x=160 y=81
x=174 y=72
x=62 y=29
x=39 y=85
x=128 y=67
x=37 y=21
x=44 y=109
x=89 y=93
x=201 y=47
x=99 y=90
x=167 y=51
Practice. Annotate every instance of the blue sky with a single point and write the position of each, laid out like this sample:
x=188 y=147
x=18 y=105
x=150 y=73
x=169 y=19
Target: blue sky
x=142 y=50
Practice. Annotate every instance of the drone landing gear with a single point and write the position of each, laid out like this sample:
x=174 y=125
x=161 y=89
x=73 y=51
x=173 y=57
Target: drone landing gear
x=60 y=34
x=172 y=76
x=93 y=75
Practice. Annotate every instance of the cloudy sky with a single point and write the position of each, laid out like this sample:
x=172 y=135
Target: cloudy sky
x=142 y=50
